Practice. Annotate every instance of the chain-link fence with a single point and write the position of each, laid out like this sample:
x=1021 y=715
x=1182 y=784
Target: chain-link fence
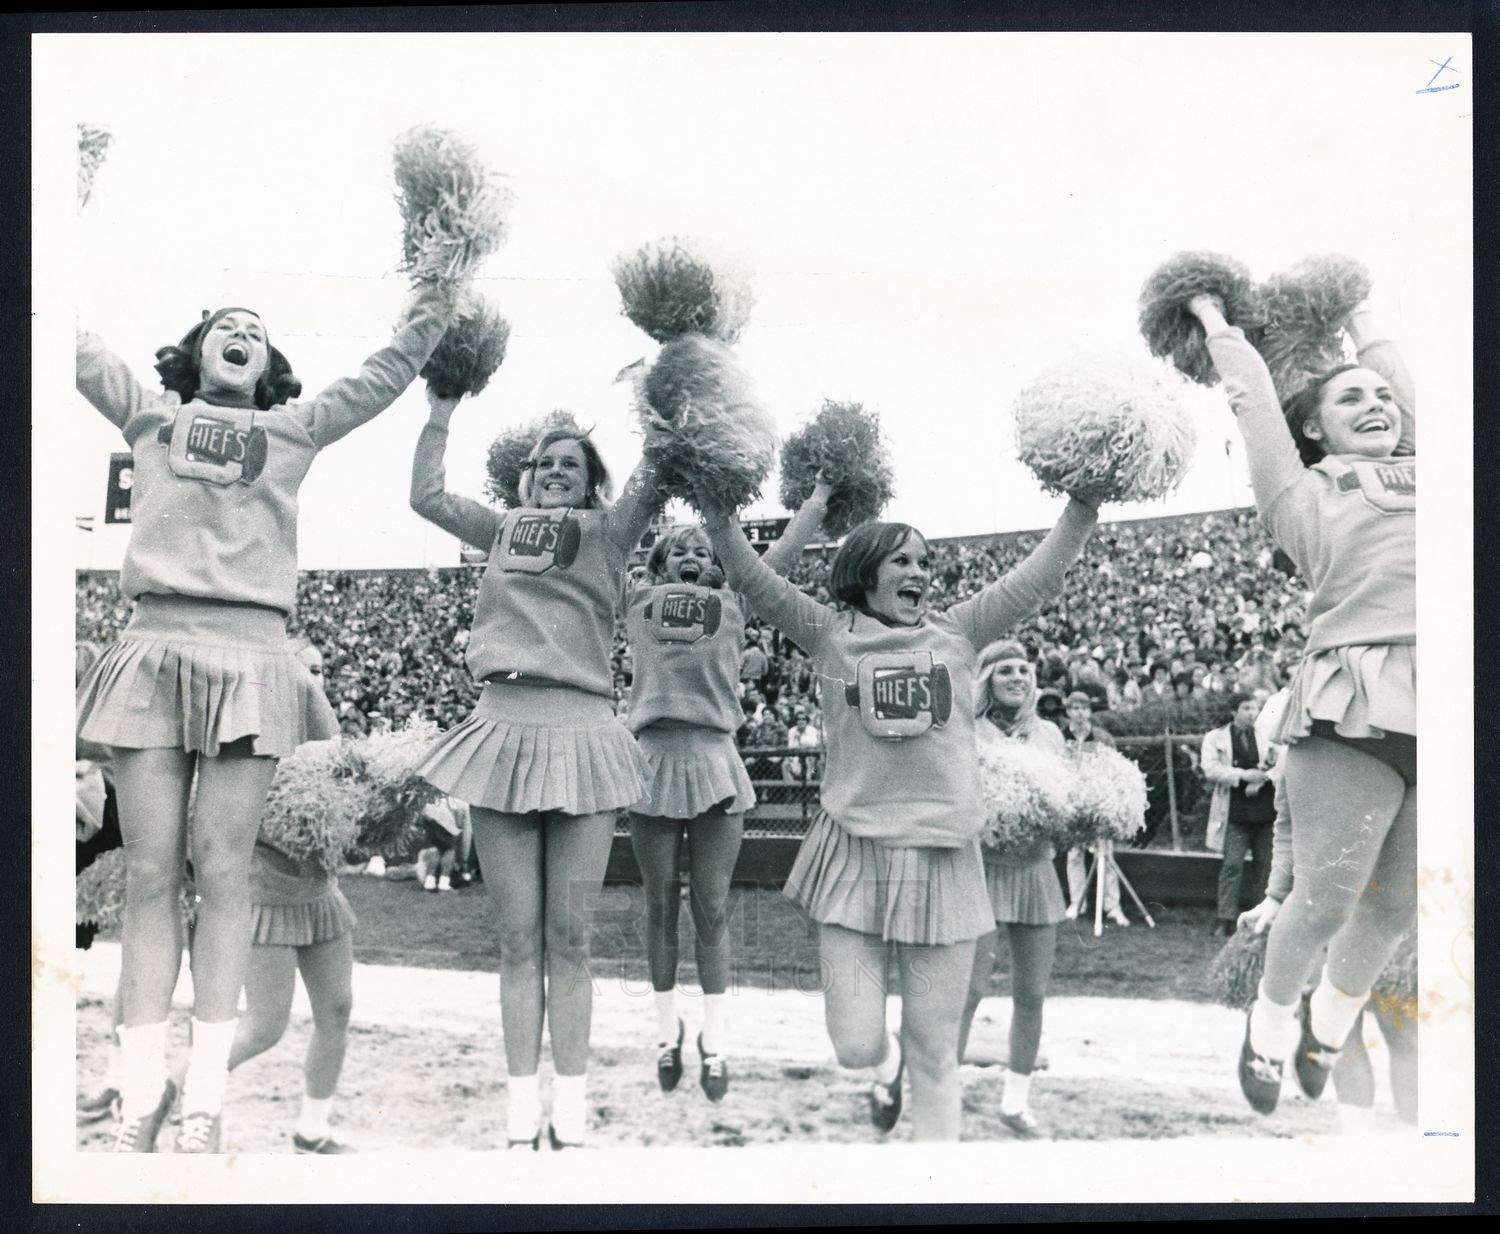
x=1177 y=797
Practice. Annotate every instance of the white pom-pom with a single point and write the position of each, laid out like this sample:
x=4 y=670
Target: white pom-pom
x=1026 y=792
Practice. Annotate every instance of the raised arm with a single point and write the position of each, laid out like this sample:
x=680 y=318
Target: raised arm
x=460 y=516
x=107 y=382
x=1378 y=352
x=639 y=502
x=804 y=525
x=801 y=618
x=1019 y=593
x=382 y=379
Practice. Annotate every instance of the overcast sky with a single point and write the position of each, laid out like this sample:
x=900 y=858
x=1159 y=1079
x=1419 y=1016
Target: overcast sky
x=931 y=219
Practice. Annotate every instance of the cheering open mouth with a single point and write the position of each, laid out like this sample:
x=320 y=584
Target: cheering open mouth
x=1375 y=424
x=237 y=354
x=689 y=572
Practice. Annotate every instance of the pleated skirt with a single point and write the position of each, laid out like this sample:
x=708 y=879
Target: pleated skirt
x=1363 y=691
x=194 y=675
x=1025 y=892
x=531 y=748
x=689 y=771
x=292 y=906
x=925 y=896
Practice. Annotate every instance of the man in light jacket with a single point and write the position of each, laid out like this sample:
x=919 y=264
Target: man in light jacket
x=1243 y=808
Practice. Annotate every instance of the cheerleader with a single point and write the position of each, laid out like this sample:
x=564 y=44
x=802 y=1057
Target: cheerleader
x=203 y=680
x=686 y=633
x=1335 y=481
x=1024 y=891
x=542 y=761
x=891 y=857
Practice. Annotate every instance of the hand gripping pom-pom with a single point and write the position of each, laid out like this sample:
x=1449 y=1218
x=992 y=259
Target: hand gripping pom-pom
x=704 y=423
x=1303 y=313
x=392 y=820
x=93 y=146
x=1177 y=335
x=511 y=451
x=314 y=805
x=470 y=351
x=99 y=893
x=1108 y=797
x=454 y=207
x=1234 y=975
x=843 y=442
x=668 y=289
x=1027 y=798
x=1106 y=430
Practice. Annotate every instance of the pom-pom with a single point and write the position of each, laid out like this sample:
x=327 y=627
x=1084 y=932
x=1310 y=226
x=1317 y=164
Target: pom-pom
x=1174 y=333
x=1234 y=975
x=1106 y=430
x=704 y=424
x=314 y=805
x=470 y=351
x=1108 y=796
x=511 y=451
x=93 y=146
x=1303 y=314
x=1027 y=797
x=392 y=819
x=453 y=206
x=99 y=892
x=843 y=441
x=1395 y=990
x=669 y=290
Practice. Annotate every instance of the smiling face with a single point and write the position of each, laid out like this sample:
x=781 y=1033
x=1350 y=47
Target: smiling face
x=1357 y=414
x=560 y=475
x=688 y=558
x=901 y=581
x=1011 y=683
x=234 y=354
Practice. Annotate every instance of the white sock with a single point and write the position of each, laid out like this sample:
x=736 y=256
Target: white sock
x=1274 y=1029
x=208 y=1066
x=884 y=1072
x=666 y=1017
x=1333 y=1012
x=143 y=1067
x=569 y=1108
x=523 y=1107
x=1017 y=1091
x=114 y=1071
x=715 y=1023
x=312 y=1123
x=1357 y=1119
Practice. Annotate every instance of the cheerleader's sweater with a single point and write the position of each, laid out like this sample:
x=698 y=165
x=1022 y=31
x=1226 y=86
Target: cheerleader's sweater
x=901 y=768
x=687 y=641
x=545 y=612
x=1349 y=523
x=213 y=506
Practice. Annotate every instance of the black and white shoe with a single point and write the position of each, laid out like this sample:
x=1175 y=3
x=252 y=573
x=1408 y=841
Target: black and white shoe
x=324 y=1145
x=885 y=1099
x=1260 y=1077
x=1314 y=1061
x=714 y=1073
x=669 y=1062
x=138 y=1135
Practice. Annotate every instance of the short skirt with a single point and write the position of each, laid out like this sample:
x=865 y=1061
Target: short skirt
x=291 y=906
x=1024 y=892
x=689 y=771
x=926 y=896
x=530 y=748
x=194 y=675
x=1363 y=691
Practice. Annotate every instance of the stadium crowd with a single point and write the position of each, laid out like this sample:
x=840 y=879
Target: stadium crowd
x=1161 y=621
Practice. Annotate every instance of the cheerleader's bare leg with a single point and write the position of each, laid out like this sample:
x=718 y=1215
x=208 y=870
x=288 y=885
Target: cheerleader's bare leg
x=328 y=973
x=1032 y=951
x=854 y=981
x=657 y=843
x=1384 y=912
x=1398 y=1025
x=713 y=851
x=577 y=855
x=985 y=954
x=270 y=982
x=934 y=984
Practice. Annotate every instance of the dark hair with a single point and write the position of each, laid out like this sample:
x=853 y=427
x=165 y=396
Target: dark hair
x=1303 y=406
x=656 y=561
x=860 y=555
x=597 y=474
x=1238 y=699
x=179 y=368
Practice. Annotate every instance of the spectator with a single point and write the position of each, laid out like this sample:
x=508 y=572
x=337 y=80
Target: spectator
x=753 y=663
x=1242 y=810
x=1080 y=733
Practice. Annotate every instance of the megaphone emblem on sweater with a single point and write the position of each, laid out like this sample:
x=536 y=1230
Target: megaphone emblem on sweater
x=680 y=613
x=224 y=447
x=901 y=693
x=535 y=541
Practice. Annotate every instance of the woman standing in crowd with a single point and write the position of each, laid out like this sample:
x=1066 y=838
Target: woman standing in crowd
x=203 y=681
x=686 y=631
x=1025 y=896
x=1335 y=482
x=892 y=858
x=542 y=760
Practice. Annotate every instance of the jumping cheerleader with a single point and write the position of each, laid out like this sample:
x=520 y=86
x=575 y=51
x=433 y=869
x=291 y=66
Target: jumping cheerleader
x=1335 y=482
x=1025 y=895
x=686 y=633
x=542 y=761
x=203 y=679
x=892 y=858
